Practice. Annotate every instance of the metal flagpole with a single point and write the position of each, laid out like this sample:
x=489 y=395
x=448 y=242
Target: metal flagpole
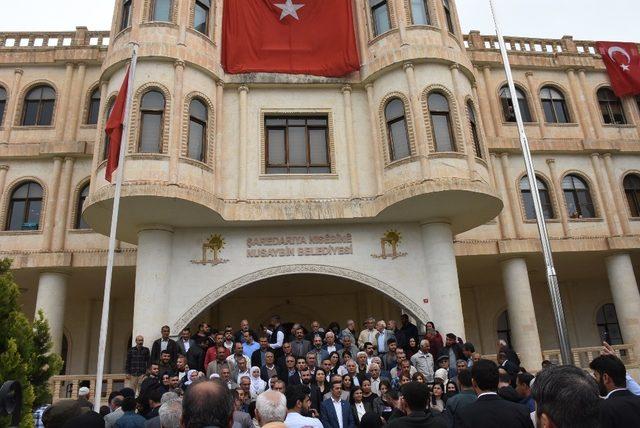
x=104 y=323
x=552 y=279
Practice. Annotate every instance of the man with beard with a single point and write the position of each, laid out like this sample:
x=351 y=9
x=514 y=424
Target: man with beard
x=620 y=408
x=244 y=326
x=259 y=356
x=219 y=363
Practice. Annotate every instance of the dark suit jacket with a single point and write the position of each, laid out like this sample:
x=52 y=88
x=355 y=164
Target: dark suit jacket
x=368 y=408
x=195 y=358
x=300 y=349
x=419 y=420
x=491 y=411
x=172 y=347
x=512 y=369
x=265 y=377
x=293 y=380
x=621 y=409
x=329 y=418
x=180 y=346
x=256 y=358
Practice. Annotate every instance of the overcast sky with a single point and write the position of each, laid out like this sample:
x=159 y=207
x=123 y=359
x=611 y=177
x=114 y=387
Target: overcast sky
x=617 y=20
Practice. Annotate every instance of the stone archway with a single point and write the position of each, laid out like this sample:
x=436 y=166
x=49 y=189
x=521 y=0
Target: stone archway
x=219 y=293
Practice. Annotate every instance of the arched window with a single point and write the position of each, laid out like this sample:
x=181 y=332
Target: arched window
x=420 y=12
x=397 y=131
x=112 y=101
x=611 y=107
x=198 y=116
x=161 y=10
x=94 y=107
x=507 y=105
x=380 y=16
x=554 y=105
x=504 y=329
x=527 y=198
x=82 y=196
x=608 y=327
x=202 y=9
x=3 y=103
x=448 y=15
x=577 y=197
x=25 y=207
x=151 y=122
x=632 y=191
x=38 y=106
x=125 y=16
x=473 y=124
x=441 y=125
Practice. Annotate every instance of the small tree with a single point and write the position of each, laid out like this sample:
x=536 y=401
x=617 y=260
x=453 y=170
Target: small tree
x=24 y=348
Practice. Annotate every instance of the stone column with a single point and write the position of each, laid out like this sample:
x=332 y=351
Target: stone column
x=242 y=144
x=351 y=142
x=590 y=103
x=10 y=111
x=461 y=113
x=618 y=195
x=522 y=317
x=442 y=278
x=422 y=149
x=51 y=298
x=581 y=108
x=62 y=103
x=535 y=97
x=3 y=178
x=62 y=209
x=496 y=111
x=606 y=200
x=377 y=139
x=75 y=109
x=626 y=297
x=512 y=194
x=482 y=104
x=558 y=195
x=50 y=211
x=175 y=141
x=217 y=152
x=153 y=269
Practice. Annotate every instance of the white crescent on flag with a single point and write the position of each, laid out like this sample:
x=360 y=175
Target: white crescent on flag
x=617 y=49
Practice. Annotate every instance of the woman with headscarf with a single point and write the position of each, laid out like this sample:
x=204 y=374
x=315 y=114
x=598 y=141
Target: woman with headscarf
x=257 y=384
x=192 y=375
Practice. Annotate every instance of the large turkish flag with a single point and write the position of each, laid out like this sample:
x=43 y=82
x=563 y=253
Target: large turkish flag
x=623 y=66
x=289 y=36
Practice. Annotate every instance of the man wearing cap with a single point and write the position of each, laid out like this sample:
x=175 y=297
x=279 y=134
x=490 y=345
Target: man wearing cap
x=453 y=350
x=83 y=398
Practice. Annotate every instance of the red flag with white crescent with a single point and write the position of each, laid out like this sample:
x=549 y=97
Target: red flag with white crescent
x=623 y=66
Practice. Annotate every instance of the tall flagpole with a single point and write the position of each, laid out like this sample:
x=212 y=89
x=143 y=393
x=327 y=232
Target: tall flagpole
x=552 y=279
x=106 y=300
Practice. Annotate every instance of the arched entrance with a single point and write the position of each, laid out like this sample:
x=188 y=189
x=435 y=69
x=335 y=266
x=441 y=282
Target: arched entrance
x=301 y=293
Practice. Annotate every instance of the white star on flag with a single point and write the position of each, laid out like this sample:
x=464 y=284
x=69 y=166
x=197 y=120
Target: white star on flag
x=289 y=8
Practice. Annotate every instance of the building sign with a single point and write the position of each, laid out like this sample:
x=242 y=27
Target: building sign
x=330 y=244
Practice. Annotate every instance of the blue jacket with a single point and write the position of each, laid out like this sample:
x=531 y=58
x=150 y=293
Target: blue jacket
x=130 y=420
x=329 y=418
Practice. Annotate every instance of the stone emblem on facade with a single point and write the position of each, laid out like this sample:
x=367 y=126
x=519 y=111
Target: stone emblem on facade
x=211 y=249
x=389 y=246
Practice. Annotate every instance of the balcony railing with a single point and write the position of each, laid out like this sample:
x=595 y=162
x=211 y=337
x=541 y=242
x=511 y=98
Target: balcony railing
x=54 y=39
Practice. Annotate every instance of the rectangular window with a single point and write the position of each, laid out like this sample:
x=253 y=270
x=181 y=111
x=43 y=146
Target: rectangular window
x=161 y=10
x=419 y=12
x=380 y=16
x=125 y=21
x=2 y=106
x=297 y=145
x=201 y=16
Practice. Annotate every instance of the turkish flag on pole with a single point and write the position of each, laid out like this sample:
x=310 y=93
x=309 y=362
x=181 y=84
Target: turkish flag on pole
x=623 y=65
x=289 y=36
x=115 y=123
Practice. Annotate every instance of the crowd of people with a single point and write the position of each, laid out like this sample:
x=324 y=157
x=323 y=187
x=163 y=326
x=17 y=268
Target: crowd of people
x=385 y=375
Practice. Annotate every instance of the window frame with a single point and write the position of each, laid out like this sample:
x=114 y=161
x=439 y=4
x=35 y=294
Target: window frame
x=506 y=102
x=196 y=4
x=390 y=122
x=575 y=192
x=605 y=325
x=3 y=104
x=152 y=11
x=448 y=14
x=506 y=332
x=78 y=221
x=632 y=195
x=93 y=108
x=40 y=102
x=27 y=203
x=125 y=14
x=205 y=132
x=475 y=130
x=552 y=101
x=151 y=112
x=606 y=107
x=287 y=165
x=546 y=205
x=425 y=4
x=447 y=115
x=374 y=23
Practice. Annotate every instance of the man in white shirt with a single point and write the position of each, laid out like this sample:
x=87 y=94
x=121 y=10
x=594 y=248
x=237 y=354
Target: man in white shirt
x=336 y=413
x=374 y=371
x=297 y=402
x=423 y=360
x=238 y=351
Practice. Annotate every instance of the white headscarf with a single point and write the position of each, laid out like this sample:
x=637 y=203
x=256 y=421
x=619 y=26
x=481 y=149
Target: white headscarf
x=442 y=374
x=257 y=384
x=189 y=373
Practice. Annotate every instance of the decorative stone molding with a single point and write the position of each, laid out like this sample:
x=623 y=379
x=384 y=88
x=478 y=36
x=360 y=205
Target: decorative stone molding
x=228 y=288
x=468 y=100
x=211 y=127
x=383 y=125
x=87 y=103
x=147 y=7
x=134 y=128
x=454 y=114
x=17 y=120
x=71 y=222
x=548 y=181
x=595 y=197
x=6 y=198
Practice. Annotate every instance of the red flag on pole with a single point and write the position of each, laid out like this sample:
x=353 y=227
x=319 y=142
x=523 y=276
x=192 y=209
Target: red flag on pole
x=314 y=37
x=115 y=123
x=623 y=66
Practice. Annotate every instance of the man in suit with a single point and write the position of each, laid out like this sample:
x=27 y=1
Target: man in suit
x=195 y=355
x=489 y=410
x=185 y=342
x=415 y=396
x=300 y=346
x=566 y=397
x=330 y=346
x=259 y=356
x=382 y=337
x=271 y=369
x=509 y=366
x=620 y=408
x=335 y=412
x=164 y=343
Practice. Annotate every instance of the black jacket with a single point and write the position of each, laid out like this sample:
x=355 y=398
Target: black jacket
x=491 y=411
x=419 y=420
x=621 y=409
x=172 y=347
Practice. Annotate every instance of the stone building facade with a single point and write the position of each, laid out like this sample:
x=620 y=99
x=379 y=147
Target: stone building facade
x=396 y=189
